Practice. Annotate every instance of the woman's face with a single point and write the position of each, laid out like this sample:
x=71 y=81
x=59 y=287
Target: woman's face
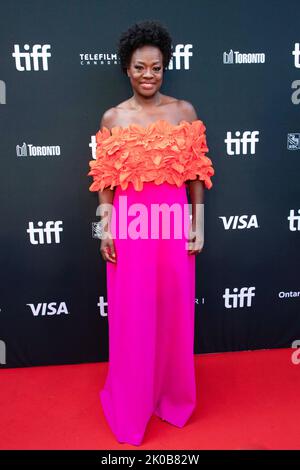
x=146 y=70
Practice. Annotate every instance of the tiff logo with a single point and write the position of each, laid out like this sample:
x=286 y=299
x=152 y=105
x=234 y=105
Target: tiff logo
x=39 y=54
x=296 y=54
x=93 y=146
x=102 y=305
x=240 y=145
x=295 y=98
x=294 y=220
x=182 y=51
x=37 y=235
x=237 y=298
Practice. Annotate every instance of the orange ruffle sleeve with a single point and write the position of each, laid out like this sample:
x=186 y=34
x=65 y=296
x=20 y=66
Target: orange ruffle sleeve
x=159 y=152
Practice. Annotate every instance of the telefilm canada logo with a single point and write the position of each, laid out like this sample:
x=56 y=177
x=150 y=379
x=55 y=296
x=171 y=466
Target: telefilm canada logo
x=180 y=59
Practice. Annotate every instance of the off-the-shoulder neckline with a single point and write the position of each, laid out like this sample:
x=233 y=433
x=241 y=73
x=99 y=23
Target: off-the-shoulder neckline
x=152 y=124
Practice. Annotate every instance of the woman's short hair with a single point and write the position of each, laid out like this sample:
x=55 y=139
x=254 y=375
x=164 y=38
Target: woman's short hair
x=140 y=34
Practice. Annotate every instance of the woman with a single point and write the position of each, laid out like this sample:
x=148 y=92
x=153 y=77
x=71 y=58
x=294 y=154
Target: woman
x=150 y=150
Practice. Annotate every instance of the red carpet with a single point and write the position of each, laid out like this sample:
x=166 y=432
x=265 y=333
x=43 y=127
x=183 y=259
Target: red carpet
x=246 y=400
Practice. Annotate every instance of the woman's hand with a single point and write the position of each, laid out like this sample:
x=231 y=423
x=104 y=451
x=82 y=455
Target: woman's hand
x=196 y=242
x=107 y=248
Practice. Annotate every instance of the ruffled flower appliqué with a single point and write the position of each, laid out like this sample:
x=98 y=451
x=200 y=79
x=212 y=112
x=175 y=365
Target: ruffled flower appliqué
x=158 y=152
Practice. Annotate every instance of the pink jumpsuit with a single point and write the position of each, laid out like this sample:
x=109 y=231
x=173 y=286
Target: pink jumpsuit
x=151 y=288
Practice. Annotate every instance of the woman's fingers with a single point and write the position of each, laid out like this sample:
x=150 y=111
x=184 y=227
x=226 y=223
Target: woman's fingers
x=110 y=256
x=195 y=245
x=108 y=252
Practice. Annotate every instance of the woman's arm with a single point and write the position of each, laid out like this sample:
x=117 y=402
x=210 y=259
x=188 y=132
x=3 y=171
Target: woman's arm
x=105 y=207
x=196 y=190
x=196 y=236
x=106 y=196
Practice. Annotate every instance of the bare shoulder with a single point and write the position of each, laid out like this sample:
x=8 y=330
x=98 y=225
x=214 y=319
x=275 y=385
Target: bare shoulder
x=187 y=110
x=109 y=118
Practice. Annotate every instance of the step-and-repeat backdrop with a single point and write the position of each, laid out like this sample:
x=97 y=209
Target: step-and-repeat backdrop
x=238 y=62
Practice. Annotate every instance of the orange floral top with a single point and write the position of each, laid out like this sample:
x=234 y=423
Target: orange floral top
x=158 y=152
